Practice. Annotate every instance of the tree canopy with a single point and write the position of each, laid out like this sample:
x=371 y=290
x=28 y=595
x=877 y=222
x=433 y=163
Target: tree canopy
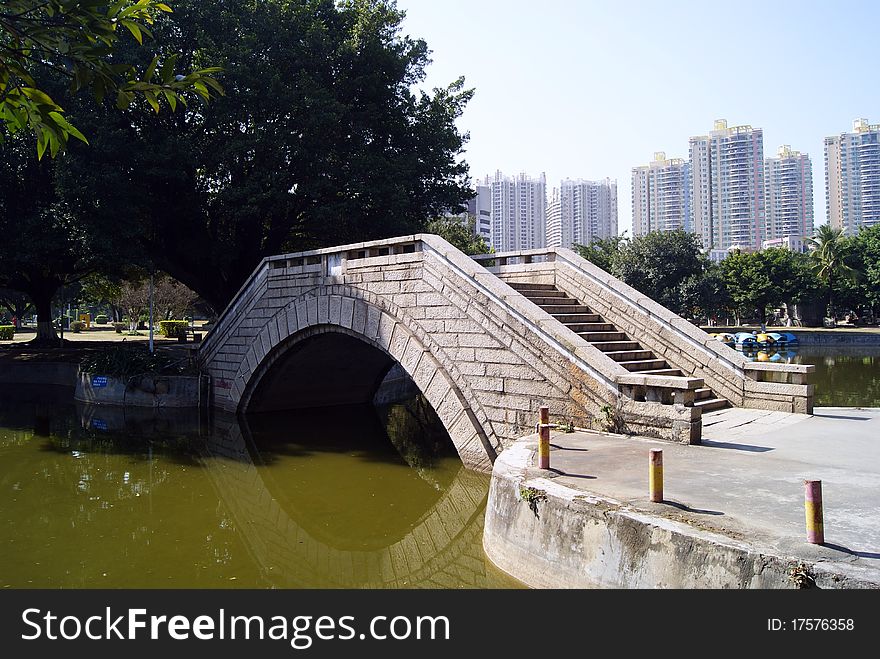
x=80 y=41
x=459 y=234
x=321 y=139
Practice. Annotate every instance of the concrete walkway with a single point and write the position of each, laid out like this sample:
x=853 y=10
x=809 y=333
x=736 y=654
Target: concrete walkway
x=746 y=481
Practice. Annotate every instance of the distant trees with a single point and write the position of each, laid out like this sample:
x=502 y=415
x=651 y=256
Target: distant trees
x=461 y=235
x=667 y=266
x=840 y=273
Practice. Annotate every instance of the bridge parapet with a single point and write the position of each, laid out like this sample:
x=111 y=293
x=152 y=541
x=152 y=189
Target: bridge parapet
x=485 y=357
x=781 y=387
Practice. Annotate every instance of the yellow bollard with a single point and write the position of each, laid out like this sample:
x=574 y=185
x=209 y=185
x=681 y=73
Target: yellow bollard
x=655 y=475
x=544 y=438
x=813 y=509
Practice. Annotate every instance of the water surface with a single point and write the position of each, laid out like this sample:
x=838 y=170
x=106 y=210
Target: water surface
x=333 y=498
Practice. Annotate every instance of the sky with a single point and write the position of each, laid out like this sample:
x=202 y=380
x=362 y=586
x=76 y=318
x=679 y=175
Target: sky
x=589 y=89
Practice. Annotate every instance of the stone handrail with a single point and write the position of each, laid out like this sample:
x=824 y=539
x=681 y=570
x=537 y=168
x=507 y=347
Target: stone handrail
x=580 y=352
x=756 y=379
x=329 y=267
x=318 y=261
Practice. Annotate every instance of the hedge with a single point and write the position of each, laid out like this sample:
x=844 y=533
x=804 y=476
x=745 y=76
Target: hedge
x=77 y=325
x=119 y=327
x=7 y=332
x=173 y=328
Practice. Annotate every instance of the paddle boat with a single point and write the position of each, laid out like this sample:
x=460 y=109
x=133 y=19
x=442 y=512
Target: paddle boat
x=745 y=339
x=784 y=338
x=725 y=338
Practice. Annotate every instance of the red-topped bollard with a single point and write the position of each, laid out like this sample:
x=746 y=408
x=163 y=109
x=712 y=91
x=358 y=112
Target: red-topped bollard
x=813 y=508
x=655 y=475
x=544 y=438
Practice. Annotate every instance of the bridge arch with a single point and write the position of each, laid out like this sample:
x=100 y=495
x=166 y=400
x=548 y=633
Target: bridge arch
x=311 y=332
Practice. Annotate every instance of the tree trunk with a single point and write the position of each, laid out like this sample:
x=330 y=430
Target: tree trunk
x=19 y=309
x=45 y=330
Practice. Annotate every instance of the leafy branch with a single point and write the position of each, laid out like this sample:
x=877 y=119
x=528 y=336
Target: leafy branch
x=78 y=40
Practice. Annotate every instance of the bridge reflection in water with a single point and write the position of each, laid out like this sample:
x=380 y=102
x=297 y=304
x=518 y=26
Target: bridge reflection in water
x=332 y=523
x=343 y=497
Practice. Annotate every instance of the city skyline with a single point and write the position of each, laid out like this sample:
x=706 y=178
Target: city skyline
x=592 y=90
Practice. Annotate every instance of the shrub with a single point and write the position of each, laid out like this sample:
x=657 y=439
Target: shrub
x=7 y=332
x=173 y=328
x=77 y=326
x=129 y=360
x=119 y=327
x=101 y=319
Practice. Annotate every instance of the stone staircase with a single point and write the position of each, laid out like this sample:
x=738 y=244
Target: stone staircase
x=608 y=338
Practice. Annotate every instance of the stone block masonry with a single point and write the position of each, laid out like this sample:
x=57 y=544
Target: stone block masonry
x=483 y=355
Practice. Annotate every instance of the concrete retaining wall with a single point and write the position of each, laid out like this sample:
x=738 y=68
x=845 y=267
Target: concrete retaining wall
x=838 y=339
x=62 y=374
x=550 y=536
x=142 y=390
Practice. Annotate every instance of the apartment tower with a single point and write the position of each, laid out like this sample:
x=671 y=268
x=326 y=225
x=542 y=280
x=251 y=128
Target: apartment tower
x=852 y=177
x=518 y=211
x=661 y=195
x=727 y=187
x=788 y=203
x=586 y=211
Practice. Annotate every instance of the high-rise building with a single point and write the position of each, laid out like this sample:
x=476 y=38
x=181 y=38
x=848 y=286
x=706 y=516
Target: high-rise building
x=788 y=179
x=661 y=195
x=481 y=208
x=727 y=186
x=852 y=177
x=518 y=211
x=587 y=210
x=554 y=220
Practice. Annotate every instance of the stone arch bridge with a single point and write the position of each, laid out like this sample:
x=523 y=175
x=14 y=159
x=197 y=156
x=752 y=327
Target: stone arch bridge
x=487 y=341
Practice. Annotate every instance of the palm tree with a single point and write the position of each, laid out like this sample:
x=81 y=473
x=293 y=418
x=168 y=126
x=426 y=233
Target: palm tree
x=830 y=253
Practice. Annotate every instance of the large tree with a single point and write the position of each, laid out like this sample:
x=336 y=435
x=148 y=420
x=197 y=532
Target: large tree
x=47 y=243
x=320 y=140
x=603 y=252
x=659 y=264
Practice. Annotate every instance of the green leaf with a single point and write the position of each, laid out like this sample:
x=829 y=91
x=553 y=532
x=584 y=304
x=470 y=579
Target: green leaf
x=171 y=97
x=167 y=70
x=151 y=69
x=38 y=96
x=67 y=127
x=135 y=30
x=151 y=99
x=123 y=100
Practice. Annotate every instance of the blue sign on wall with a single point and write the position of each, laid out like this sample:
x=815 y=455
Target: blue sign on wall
x=99 y=381
x=99 y=424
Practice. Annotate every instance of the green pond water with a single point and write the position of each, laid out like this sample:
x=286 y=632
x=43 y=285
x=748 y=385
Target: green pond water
x=332 y=498
x=846 y=376
x=349 y=497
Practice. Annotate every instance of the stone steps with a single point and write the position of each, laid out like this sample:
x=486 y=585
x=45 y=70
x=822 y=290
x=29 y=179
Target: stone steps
x=564 y=302
x=605 y=336
x=629 y=355
x=610 y=345
x=566 y=318
x=568 y=309
x=591 y=337
x=675 y=372
x=709 y=404
x=528 y=286
x=639 y=365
